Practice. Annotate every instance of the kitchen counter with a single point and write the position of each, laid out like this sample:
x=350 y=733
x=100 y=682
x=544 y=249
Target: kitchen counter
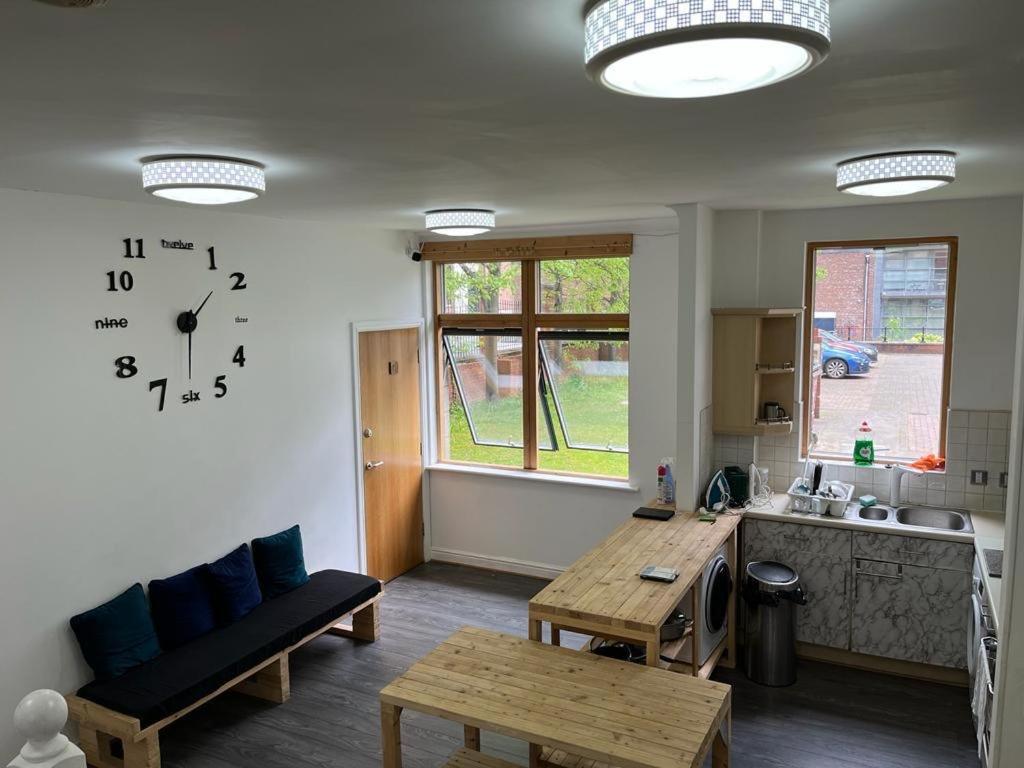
x=988 y=534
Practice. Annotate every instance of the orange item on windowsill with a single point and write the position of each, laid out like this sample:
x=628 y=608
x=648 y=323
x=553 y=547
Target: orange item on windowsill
x=930 y=463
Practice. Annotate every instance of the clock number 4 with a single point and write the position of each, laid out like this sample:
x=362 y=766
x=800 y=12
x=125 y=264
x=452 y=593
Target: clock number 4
x=239 y=278
x=160 y=384
x=125 y=280
x=129 y=252
x=239 y=358
x=220 y=386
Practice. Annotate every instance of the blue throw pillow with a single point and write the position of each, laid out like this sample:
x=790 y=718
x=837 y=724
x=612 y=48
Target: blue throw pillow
x=118 y=635
x=279 y=562
x=182 y=607
x=234 y=583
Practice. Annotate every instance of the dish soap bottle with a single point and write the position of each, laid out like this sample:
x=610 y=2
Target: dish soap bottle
x=864 y=447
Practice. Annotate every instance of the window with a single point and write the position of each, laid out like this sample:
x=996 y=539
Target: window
x=878 y=344
x=533 y=355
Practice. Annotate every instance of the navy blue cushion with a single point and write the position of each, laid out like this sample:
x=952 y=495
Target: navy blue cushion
x=182 y=607
x=118 y=635
x=235 y=585
x=279 y=562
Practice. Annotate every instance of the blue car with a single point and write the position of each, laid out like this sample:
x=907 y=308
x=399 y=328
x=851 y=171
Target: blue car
x=838 y=363
x=870 y=351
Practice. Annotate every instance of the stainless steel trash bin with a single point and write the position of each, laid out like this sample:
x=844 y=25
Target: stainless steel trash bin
x=771 y=592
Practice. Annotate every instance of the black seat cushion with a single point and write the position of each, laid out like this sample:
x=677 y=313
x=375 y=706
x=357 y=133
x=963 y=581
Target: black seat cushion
x=178 y=678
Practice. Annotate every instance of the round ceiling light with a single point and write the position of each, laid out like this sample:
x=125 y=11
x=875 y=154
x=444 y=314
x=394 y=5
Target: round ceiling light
x=460 y=222
x=202 y=180
x=896 y=173
x=684 y=49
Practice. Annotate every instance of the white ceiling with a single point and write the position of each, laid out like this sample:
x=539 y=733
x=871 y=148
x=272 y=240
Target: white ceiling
x=373 y=111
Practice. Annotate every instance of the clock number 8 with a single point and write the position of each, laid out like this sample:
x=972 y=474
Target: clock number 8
x=126 y=367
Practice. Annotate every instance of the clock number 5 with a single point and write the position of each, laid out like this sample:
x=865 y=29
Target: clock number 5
x=239 y=278
x=220 y=386
x=160 y=384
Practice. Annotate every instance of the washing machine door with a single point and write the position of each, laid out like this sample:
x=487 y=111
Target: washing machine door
x=974 y=635
x=716 y=595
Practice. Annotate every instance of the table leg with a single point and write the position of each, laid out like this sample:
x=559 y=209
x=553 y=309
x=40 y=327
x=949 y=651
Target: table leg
x=536 y=630
x=556 y=635
x=696 y=609
x=731 y=615
x=653 y=652
x=720 y=747
x=472 y=737
x=535 y=755
x=391 y=734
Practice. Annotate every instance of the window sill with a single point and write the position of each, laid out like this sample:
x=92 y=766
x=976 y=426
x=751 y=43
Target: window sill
x=880 y=465
x=537 y=477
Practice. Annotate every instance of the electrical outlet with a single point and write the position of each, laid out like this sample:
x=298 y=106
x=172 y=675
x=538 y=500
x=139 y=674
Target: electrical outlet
x=979 y=477
x=1004 y=479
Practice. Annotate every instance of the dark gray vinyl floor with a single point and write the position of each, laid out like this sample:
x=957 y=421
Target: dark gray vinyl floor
x=833 y=717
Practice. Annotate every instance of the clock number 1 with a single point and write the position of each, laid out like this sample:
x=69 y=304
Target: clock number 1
x=160 y=384
x=213 y=257
x=129 y=253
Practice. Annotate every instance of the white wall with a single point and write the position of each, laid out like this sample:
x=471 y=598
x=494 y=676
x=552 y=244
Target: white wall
x=989 y=264
x=512 y=522
x=99 y=490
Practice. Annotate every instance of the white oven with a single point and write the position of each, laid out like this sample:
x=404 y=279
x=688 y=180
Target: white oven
x=982 y=646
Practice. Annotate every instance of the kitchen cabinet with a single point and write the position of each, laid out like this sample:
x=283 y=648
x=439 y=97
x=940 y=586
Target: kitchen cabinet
x=754 y=362
x=910 y=612
x=821 y=557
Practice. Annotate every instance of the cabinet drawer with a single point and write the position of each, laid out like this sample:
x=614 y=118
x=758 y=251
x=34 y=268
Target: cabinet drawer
x=771 y=536
x=911 y=550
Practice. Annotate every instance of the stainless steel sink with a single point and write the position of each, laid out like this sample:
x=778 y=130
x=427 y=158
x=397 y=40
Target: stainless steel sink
x=936 y=519
x=876 y=514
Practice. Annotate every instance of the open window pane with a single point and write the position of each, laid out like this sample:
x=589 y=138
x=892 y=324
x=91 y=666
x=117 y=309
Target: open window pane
x=585 y=286
x=879 y=331
x=483 y=288
x=483 y=377
x=586 y=388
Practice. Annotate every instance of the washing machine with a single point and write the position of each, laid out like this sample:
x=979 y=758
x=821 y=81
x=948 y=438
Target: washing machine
x=716 y=586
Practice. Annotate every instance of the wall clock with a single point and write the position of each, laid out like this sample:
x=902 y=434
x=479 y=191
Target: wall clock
x=187 y=324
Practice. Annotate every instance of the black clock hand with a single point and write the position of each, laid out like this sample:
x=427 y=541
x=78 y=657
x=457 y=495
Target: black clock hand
x=190 y=355
x=196 y=313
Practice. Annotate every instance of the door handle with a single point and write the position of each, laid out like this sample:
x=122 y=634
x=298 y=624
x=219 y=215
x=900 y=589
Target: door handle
x=373 y=465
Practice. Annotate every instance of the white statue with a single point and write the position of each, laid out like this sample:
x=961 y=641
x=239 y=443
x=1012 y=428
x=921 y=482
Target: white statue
x=39 y=718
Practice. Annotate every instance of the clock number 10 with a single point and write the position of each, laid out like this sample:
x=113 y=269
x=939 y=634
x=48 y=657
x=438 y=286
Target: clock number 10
x=124 y=279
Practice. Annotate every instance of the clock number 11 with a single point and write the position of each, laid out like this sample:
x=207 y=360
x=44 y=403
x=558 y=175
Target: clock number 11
x=129 y=253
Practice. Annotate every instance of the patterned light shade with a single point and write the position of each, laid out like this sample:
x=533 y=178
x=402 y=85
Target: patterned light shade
x=896 y=173
x=460 y=222
x=696 y=48
x=203 y=180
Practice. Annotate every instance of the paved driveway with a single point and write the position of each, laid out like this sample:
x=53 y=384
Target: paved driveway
x=901 y=399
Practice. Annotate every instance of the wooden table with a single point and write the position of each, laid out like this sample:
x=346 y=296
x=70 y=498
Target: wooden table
x=567 y=705
x=602 y=595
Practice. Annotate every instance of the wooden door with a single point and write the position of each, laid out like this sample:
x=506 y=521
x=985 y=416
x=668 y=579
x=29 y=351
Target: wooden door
x=389 y=393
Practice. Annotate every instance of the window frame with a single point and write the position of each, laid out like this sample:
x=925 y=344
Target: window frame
x=530 y=252
x=953 y=243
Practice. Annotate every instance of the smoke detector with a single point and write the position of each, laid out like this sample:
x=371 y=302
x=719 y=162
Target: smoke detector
x=75 y=3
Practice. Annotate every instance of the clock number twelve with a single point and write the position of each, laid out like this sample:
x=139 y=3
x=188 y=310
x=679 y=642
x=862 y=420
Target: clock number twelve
x=125 y=280
x=239 y=279
x=239 y=358
x=133 y=254
x=162 y=385
x=220 y=386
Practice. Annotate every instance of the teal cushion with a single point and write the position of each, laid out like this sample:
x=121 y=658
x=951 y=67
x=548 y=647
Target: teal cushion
x=235 y=586
x=279 y=562
x=118 y=635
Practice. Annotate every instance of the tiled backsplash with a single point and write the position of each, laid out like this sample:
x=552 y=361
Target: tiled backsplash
x=975 y=440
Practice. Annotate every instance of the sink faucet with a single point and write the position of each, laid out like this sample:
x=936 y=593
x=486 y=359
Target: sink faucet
x=896 y=473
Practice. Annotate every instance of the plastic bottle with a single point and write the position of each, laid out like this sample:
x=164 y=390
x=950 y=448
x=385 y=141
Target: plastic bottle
x=666 y=483
x=864 y=446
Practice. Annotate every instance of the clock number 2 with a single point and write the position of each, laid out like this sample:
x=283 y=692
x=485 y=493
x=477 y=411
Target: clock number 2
x=160 y=384
x=239 y=278
x=220 y=386
x=239 y=358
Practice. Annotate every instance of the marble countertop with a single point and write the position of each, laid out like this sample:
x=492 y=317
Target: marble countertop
x=988 y=534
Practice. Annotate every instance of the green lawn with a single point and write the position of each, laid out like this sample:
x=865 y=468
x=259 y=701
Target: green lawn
x=595 y=407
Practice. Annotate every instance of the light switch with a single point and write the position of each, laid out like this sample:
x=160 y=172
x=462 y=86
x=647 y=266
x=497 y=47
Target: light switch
x=979 y=477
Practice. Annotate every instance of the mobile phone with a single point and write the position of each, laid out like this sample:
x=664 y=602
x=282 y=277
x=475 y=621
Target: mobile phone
x=656 y=573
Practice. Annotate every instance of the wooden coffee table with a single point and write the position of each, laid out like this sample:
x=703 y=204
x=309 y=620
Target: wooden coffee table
x=567 y=705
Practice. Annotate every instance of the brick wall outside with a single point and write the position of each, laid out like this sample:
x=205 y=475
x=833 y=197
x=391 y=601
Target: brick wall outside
x=842 y=290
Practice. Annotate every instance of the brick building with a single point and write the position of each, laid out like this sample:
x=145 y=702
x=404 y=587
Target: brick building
x=844 y=284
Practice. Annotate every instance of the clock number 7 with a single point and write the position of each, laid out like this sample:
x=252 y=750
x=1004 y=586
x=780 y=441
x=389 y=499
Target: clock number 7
x=162 y=385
